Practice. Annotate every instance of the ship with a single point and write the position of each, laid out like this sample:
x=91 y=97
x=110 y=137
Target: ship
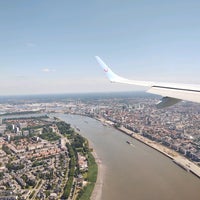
x=128 y=142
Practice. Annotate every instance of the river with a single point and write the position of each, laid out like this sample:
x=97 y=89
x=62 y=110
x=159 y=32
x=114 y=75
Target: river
x=134 y=171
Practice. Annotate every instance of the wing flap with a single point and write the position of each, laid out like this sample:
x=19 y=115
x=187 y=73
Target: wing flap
x=189 y=95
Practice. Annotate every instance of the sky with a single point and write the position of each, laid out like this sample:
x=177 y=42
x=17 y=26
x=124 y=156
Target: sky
x=48 y=46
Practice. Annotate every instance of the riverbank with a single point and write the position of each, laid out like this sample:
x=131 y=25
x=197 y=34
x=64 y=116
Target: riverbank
x=97 y=192
x=175 y=156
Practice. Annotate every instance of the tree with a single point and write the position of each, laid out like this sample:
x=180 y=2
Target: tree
x=1 y=175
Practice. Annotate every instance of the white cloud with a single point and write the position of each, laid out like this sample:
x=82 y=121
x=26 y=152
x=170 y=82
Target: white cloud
x=47 y=70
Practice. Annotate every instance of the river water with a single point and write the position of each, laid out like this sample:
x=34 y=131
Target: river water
x=134 y=171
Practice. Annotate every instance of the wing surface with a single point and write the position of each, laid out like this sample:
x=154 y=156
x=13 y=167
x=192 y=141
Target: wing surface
x=172 y=92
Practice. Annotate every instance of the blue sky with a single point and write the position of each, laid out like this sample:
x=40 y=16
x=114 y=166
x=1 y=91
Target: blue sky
x=49 y=46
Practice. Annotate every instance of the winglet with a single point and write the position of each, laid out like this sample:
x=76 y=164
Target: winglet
x=109 y=73
x=118 y=79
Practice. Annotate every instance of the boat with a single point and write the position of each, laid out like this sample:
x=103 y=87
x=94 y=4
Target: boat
x=128 y=142
x=77 y=128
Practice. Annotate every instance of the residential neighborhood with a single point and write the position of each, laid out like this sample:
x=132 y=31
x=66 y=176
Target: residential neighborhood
x=35 y=161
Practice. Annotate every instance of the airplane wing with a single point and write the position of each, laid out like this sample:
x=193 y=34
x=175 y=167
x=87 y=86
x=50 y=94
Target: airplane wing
x=172 y=92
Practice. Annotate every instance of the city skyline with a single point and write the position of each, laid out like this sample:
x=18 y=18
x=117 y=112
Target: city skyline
x=49 y=47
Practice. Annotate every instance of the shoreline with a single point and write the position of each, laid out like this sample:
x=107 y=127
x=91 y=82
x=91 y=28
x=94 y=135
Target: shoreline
x=97 y=191
x=178 y=159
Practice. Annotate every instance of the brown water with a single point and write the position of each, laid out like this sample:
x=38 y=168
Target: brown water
x=135 y=172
